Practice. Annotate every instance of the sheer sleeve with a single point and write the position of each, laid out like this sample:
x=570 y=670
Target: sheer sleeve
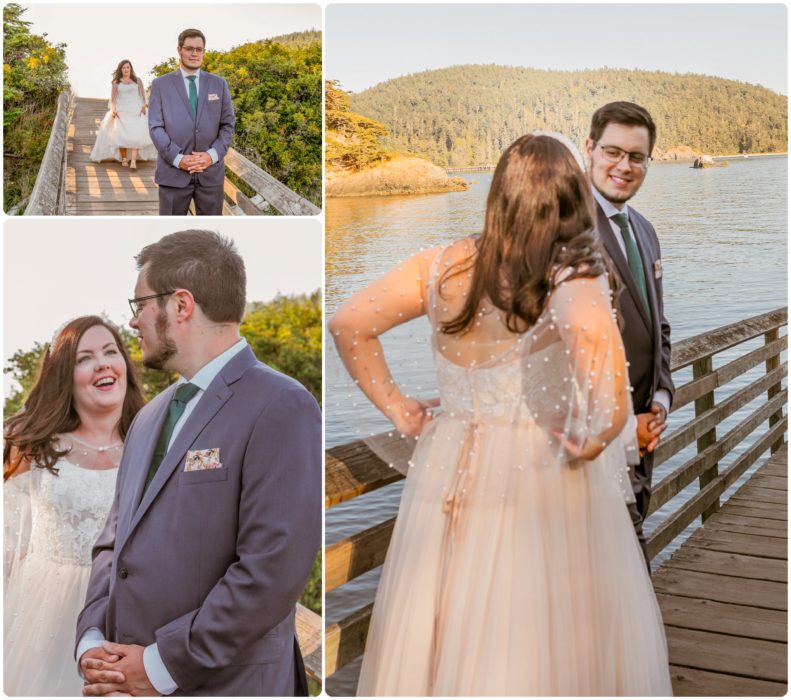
x=16 y=521
x=589 y=413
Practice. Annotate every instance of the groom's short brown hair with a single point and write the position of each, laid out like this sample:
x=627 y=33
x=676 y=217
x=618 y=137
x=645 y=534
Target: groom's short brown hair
x=205 y=263
x=189 y=33
x=626 y=113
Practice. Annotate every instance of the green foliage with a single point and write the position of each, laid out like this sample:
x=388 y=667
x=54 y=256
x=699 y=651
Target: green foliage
x=276 y=91
x=467 y=115
x=311 y=596
x=34 y=74
x=353 y=141
x=286 y=334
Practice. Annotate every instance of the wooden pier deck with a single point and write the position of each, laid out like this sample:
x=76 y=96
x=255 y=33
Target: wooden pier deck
x=724 y=593
x=70 y=183
x=107 y=188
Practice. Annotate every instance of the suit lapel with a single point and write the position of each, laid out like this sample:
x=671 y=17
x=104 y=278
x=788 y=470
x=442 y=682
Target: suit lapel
x=616 y=255
x=203 y=95
x=650 y=280
x=213 y=399
x=181 y=91
x=138 y=453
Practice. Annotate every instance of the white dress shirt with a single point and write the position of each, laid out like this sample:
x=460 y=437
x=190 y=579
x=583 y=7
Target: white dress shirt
x=212 y=152
x=662 y=395
x=156 y=671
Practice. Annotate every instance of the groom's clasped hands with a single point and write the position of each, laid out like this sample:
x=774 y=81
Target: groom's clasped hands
x=115 y=669
x=196 y=162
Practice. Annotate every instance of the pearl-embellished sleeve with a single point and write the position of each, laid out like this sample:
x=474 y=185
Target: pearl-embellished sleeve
x=599 y=407
x=16 y=520
x=395 y=298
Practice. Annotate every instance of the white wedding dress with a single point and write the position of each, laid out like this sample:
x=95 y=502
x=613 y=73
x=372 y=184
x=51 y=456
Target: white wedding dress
x=127 y=130
x=512 y=570
x=50 y=525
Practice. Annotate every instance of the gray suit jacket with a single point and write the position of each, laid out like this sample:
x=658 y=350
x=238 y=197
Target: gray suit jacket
x=210 y=564
x=646 y=337
x=174 y=130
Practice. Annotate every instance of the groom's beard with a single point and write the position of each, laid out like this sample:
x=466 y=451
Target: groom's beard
x=165 y=349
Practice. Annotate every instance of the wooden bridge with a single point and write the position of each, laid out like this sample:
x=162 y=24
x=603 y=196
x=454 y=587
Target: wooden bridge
x=723 y=592
x=70 y=183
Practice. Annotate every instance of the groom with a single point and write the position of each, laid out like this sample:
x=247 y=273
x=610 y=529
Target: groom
x=190 y=118
x=618 y=149
x=217 y=512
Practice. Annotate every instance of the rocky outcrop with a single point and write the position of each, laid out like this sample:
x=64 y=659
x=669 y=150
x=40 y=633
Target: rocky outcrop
x=400 y=175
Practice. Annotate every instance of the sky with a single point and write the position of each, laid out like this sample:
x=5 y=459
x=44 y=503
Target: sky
x=745 y=42
x=99 y=36
x=57 y=269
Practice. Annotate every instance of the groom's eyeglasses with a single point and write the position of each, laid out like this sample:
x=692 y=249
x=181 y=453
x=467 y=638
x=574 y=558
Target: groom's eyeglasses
x=137 y=304
x=615 y=155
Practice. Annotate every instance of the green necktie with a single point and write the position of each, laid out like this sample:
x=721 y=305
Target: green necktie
x=193 y=95
x=633 y=257
x=178 y=403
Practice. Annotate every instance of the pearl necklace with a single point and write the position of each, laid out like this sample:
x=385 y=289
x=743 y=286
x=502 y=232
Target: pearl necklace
x=97 y=448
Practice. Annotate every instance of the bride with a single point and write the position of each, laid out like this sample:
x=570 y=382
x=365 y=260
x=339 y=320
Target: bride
x=60 y=457
x=513 y=568
x=124 y=128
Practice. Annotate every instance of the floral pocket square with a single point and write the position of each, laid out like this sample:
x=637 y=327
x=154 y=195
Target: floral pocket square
x=213 y=96
x=198 y=460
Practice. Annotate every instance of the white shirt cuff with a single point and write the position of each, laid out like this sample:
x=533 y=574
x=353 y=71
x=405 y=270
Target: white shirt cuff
x=177 y=160
x=92 y=638
x=213 y=153
x=663 y=396
x=157 y=674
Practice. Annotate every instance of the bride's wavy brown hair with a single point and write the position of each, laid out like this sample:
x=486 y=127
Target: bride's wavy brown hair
x=117 y=72
x=539 y=221
x=49 y=408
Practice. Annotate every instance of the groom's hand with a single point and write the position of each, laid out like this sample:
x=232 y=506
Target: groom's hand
x=186 y=163
x=200 y=160
x=130 y=665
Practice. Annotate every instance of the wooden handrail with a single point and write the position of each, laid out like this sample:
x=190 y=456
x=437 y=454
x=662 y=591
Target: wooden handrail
x=268 y=190
x=49 y=191
x=353 y=469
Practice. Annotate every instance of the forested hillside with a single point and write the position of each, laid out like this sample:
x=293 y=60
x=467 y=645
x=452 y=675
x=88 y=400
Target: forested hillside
x=467 y=115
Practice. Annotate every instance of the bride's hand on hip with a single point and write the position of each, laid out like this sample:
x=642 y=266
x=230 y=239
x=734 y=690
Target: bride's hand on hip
x=411 y=416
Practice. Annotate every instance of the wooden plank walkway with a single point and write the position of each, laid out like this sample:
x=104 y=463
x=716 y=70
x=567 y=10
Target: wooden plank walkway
x=104 y=188
x=724 y=594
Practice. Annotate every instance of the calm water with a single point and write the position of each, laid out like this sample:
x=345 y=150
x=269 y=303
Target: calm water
x=723 y=233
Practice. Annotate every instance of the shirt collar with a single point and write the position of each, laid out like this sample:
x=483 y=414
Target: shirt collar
x=184 y=74
x=607 y=206
x=206 y=374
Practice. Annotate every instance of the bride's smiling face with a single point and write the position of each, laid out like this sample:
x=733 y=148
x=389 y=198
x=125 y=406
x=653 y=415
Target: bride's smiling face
x=99 y=372
x=126 y=70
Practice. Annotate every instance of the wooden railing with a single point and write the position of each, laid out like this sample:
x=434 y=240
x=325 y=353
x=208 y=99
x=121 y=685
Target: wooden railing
x=353 y=469
x=49 y=191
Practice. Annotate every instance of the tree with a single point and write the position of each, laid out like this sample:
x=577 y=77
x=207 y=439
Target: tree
x=34 y=74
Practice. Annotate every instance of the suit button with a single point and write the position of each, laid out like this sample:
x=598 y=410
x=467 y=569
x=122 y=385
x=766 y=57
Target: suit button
x=122 y=572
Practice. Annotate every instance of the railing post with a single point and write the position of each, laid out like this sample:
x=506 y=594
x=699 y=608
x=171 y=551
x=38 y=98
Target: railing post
x=773 y=363
x=705 y=403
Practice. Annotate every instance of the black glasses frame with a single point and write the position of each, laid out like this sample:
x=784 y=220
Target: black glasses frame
x=136 y=304
x=643 y=160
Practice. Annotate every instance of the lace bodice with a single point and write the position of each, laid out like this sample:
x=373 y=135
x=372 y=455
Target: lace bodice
x=128 y=97
x=67 y=510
